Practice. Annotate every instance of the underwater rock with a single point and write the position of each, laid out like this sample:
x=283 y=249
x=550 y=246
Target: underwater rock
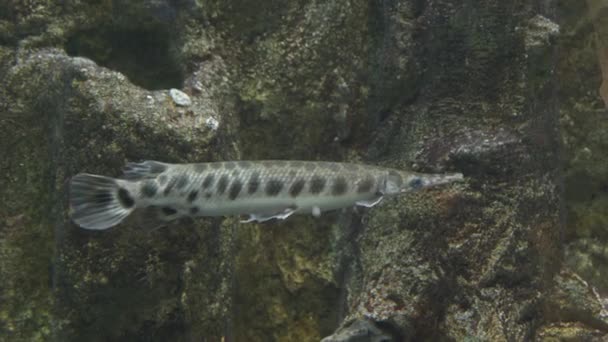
x=70 y=115
x=473 y=151
x=587 y=256
x=575 y=309
x=569 y=331
x=584 y=127
x=359 y=331
x=541 y=31
x=597 y=11
x=467 y=261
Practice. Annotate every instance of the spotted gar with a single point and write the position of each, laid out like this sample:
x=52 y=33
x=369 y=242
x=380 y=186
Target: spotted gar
x=263 y=190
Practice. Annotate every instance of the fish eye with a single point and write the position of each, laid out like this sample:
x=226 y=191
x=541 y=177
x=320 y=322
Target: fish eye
x=415 y=183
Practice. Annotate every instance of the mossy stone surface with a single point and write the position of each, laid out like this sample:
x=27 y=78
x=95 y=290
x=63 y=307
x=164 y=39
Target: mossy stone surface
x=584 y=123
x=65 y=115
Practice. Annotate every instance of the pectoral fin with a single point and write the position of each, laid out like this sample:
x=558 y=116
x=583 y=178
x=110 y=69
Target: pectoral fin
x=263 y=217
x=369 y=203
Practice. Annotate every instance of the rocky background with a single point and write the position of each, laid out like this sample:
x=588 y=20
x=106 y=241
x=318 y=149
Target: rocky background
x=512 y=94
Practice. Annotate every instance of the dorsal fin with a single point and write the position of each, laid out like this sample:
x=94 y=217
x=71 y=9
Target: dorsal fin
x=145 y=169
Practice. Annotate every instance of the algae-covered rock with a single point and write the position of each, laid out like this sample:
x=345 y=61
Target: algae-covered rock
x=574 y=311
x=303 y=95
x=286 y=285
x=584 y=123
x=65 y=115
x=468 y=261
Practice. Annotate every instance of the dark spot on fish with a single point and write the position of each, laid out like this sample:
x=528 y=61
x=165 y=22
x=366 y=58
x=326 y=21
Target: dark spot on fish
x=208 y=181
x=292 y=173
x=339 y=187
x=149 y=189
x=229 y=165
x=273 y=187
x=200 y=167
x=296 y=164
x=222 y=184
x=280 y=163
x=125 y=198
x=254 y=183
x=310 y=166
x=244 y=164
x=169 y=186
x=216 y=165
x=317 y=184
x=297 y=187
x=235 y=189
x=208 y=195
x=192 y=196
x=235 y=173
x=366 y=184
x=194 y=210
x=162 y=179
x=168 y=211
x=182 y=181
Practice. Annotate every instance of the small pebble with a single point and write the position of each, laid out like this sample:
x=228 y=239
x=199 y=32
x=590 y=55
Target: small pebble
x=180 y=98
x=212 y=123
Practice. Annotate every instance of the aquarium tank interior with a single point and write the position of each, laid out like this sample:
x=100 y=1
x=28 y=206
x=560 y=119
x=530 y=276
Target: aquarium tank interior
x=336 y=171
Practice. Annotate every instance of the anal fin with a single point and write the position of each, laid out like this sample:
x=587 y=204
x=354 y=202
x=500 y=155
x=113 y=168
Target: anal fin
x=154 y=217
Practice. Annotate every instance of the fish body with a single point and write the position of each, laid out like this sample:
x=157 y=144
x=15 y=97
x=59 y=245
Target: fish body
x=262 y=190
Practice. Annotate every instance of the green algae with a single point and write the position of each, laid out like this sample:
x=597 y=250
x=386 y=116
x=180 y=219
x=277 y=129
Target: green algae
x=285 y=281
x=295 y=78
x=26 y=237
x=292 y=79
x=26 y=245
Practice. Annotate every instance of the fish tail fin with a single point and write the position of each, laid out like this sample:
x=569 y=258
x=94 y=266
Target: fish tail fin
x=98 y=202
